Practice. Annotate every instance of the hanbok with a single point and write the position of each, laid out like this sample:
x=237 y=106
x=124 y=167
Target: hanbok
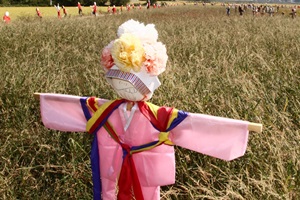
x=218 y=137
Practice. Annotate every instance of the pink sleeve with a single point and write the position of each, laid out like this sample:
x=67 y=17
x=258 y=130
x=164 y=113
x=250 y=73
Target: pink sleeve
x=218 y=137
x=63 y=112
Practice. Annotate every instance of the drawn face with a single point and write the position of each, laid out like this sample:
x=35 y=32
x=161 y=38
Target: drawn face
x=126 y=90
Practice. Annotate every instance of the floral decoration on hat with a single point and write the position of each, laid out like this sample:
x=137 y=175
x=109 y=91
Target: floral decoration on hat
x=136 y=49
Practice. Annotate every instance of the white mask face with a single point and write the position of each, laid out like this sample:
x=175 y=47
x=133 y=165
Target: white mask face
x=126 y=90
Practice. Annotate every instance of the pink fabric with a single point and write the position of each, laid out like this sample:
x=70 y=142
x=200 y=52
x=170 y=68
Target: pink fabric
x=148 y=161
x=214 y=136
x=218 y=137
x=62 y=112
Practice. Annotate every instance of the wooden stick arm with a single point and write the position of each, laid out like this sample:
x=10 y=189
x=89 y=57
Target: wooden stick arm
x=36 y=95
x=255 y=127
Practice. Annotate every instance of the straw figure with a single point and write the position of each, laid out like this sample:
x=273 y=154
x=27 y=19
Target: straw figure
x=6 y=18
x=133 y=148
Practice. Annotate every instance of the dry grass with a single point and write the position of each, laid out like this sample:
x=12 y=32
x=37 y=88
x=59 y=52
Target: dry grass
x=238 y=67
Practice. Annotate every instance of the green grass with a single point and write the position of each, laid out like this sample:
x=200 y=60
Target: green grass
x=238 y=67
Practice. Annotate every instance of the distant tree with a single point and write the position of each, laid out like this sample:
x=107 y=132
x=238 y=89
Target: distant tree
x=91 y=2
x=68 y=2
x=119 y=2
x=4 y=2
x=102 y=2
x=87 y=2
x=153 y=2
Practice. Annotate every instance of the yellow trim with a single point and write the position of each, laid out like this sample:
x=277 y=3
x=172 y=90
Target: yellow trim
x=173 y=116
x=164 y=137
x=145 y=149
x=97 y=114
x=153 y=108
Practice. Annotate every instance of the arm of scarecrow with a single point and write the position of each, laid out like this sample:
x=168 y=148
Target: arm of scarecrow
x=256 y=127
x=61 y=112
x=218 y=137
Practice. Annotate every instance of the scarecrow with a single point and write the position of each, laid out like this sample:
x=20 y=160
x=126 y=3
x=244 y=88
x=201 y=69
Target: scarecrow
x=133 y=148
x=58 y=11
x=38 y=12
x=6 y=17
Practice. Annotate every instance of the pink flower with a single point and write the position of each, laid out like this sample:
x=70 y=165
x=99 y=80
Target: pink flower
x=156 y=58
x=106 y=59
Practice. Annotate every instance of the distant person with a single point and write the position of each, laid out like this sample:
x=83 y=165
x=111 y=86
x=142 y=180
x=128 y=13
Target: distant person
x=6 y=17
x=254 y=10
x=148 y=4
x=241 y=10
x=259 y=9
x=108 y=9
x=58 y=11
x=65 y=11
x=114 y=9
x=271 y=11
x=294 y=12
x=79 y=8
x=228 y=10
x=94 y=9
x=38 y=12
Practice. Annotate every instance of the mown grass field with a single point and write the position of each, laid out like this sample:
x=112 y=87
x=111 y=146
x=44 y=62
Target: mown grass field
x=21 y=13
x=47 y=12
x=238 y=67
x=50 y=12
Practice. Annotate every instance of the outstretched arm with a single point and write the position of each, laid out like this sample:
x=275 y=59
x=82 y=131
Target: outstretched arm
x=61 y=112
x=218 y=137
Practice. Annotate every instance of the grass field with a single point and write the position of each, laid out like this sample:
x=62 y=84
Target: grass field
x=50 y=12
x=238 y=67
x=21 y=12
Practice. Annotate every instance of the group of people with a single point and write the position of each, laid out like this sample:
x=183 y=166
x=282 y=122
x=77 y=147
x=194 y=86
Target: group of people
x=238 y=8
x=58 y=9
x=113 y=10
x=255 y=9
x=94 y=12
